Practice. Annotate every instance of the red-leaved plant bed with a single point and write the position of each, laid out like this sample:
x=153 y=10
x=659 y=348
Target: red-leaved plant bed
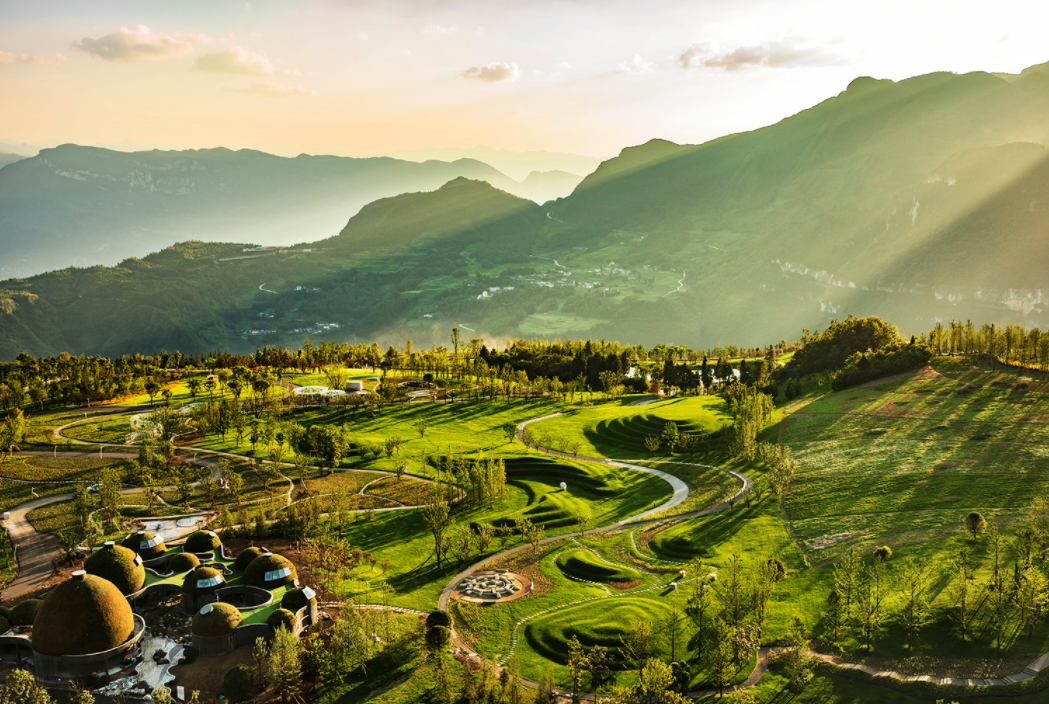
x=625 y=585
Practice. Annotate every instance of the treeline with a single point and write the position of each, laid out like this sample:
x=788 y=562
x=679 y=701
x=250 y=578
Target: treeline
x=852 y=351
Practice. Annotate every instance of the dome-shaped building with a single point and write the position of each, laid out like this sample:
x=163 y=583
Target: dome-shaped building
x=199 y=587
x=202 y=541
x=246 y=556
x=295 y=599
x=24 y=613
x=218 y=619
x=121 y=566
x=270 y=571
x=147 y=545
x=83 y=616
x=182 y=562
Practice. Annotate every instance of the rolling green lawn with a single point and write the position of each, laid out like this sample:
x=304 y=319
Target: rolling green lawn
x=906 y=461
x=462 y=426
x=618 y=430
x=584 y=564
x=608 y=494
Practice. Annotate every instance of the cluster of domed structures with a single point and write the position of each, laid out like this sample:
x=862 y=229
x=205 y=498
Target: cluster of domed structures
x=88 y=623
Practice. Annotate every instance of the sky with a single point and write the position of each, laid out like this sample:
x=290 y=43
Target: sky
x=359 y=77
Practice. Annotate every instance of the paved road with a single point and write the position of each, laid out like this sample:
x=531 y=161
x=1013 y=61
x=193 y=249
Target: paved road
x=36 y=552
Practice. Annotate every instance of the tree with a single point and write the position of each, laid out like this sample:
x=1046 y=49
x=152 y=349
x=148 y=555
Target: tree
x=544 y=693
x=577 y=666
x=535 y=537
x=152 y=389
x=870 y=597
x=582 y=519
x=283 y=664
x=20 y=687
x=109 y=494
x=730 y=591
x=975 y=524
x=421 y=427
x=915 y=609
x=83 y=505
x=652 y=444
x=234 y=486
x=437 y=515
x=799 y=660
x=720 y=654
x=456 y=339
x=964 y=611
x=509 y=431
x=845 y=573
x=670 y=435
x=636 y=644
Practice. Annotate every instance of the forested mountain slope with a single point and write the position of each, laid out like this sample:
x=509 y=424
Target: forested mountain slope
x=83 y=206
x=919 y=200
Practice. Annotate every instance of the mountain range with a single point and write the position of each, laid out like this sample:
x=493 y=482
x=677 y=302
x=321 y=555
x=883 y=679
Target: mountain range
x=920 y=200
x=75 y=205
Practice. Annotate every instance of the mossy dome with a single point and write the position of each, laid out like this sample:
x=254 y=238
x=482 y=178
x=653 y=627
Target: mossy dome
x=120 y=565
x=4 y=624
x=182 y=562
x=218 y=619
x=270 y=571
x=281 y=617
x=202 y=541
x=203 y=580
x=244 y=558
x=24 y=614
x=148 y=545
x=84 y=614
x=295 y=599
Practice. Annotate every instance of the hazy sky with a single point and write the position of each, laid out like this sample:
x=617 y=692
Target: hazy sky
x=583 y=76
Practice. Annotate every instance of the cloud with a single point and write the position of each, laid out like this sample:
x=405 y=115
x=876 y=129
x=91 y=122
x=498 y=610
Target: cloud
x=492 y=73
x=138 y=44
x=636 y=65
x=273 y=90
x=440 y=29
x=238 y=60
x=55 y=60
x=792 y=52
x=561 y=67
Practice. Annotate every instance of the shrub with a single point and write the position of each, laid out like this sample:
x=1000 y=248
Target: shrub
x=438 y=617
x=975 y=524
x=189 y=654
x=281 y=617
x=781 y=569
x=239 y=682
x=884 y=553
x=438 y=637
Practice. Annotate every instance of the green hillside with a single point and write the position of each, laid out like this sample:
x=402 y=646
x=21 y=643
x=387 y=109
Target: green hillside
x=918 y=200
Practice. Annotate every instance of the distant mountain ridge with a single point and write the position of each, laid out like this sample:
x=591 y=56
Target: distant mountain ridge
x=74 y=205
x=919 y=200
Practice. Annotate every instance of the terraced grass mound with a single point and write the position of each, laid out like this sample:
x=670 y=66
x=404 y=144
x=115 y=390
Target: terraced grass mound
x=590 y=486
x=584 y=564
x=600 y=622
x=619 y=431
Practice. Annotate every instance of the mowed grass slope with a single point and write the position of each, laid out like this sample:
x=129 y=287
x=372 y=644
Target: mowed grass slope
x=402 y=538
x=584 y=564
x=907 y=460
x=618 y=430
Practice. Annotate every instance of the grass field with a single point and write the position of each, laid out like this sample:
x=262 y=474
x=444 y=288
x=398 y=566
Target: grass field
x=585 y=564
x=618 y=430
x=608 y=494
x=906 y=461
x=456 y=427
